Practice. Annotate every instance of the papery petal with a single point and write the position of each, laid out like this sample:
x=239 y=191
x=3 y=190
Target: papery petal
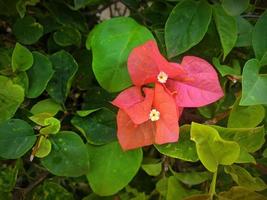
x=167 y=129
x=145 y=62
x=134 y=104
x=199 y=87
x=132 y=136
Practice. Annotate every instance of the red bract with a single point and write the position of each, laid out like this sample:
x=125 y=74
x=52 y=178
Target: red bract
x=145 y=120
x=194 y=82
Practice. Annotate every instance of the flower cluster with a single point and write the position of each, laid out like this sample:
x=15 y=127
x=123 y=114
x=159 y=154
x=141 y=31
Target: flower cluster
x=149 y=111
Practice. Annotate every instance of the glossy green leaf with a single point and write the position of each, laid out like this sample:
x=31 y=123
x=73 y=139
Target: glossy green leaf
x=84 y=113
x=11 y=96
x=46 y=106
x=39 y=75
x=65 y=68
x=240 y=193
x=243 y=178
x=235 y=7
x=245 y=29
x=50 y=190
x=226 y=27
x=193 y=178
x=44 y=147
x=27 y=30
x=22 y=58
x=68 y=156
x=184 y=149
x=254 y=84
x=245 y=116
x=40 y=118
x=212 y=150
x=193 y=19
x=16 y=138
x=111 y=42
x=98 y=127
x=152 y=166
x=259 y=36
x=251 y=139
x=67 y=36
x=111 y=168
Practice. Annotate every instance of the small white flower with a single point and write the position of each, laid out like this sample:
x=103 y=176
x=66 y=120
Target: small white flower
x=154 y=115
x=162 y=77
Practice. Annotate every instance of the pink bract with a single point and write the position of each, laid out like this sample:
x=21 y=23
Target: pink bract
x=135 y=129
x=194 y=82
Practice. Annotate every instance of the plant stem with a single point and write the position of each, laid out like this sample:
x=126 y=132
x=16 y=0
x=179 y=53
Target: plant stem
x=212 y=190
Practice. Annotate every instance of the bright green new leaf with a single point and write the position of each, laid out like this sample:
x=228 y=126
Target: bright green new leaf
x=186 y=26
x=46 y=106
x=40 y=118
x=226 y=27
x=235 y=7
x=184 y=149
x=111 y=168
x=67 y=36
x=16 y=138
x=11 y=96
x=259 y=36
x=225 y=69
x=240 y=193
x=52 y=126
x=44 y=147
x=98 y=128
x=245 y=157
x=68 y=156
x=65 y=68
x=27 y=30
x=245 y=116
x=243 y=178
x=152 y=166
x=212 y=150
x=22 y=58
x=39 y=75
x=84 y=113
x=254 y=85
x=111 y=43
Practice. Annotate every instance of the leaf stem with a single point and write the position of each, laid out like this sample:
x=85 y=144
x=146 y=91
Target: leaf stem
x=212 y=190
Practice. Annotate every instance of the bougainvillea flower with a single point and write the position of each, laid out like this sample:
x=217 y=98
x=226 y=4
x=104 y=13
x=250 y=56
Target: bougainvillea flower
x=194 y=82
x=146 y=117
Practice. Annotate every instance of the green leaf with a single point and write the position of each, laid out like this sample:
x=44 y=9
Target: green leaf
x=235 y=7
x=251 y=139
x=8 y=177
x=27 y=30
x=82 y=3
x=184 y=149
x=193 y=19
x=68 y=156
x=225 y=69
x=46 y=106
x=212 y=150
x=245 y=116
x=111 y=42
x=193 y=178
x=245 y=30
x=245 y=157
x=112 y=168
x=152 y=166
x=22 y=5
x=65 y=68
x=39 y=75
x=67 y=36
x=44 y=147
x=49 y=190
x=227 y=29
x=22 y=79
x=243 y=178
x=263 y=60
x=16 y=138
x=52 y=126
x=98 y=128
x=22 y=58
x=199 y=197
x=11 y=96
x=259 y=36
x=254 y=84
x=240 y=193
x=40 y=118
x=84 y=113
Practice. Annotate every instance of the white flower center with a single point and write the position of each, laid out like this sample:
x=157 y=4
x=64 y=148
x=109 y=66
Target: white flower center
x=154 y=115
x=162 y=77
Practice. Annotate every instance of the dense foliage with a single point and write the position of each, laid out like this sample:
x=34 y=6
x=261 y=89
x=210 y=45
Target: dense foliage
x=62 y=64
